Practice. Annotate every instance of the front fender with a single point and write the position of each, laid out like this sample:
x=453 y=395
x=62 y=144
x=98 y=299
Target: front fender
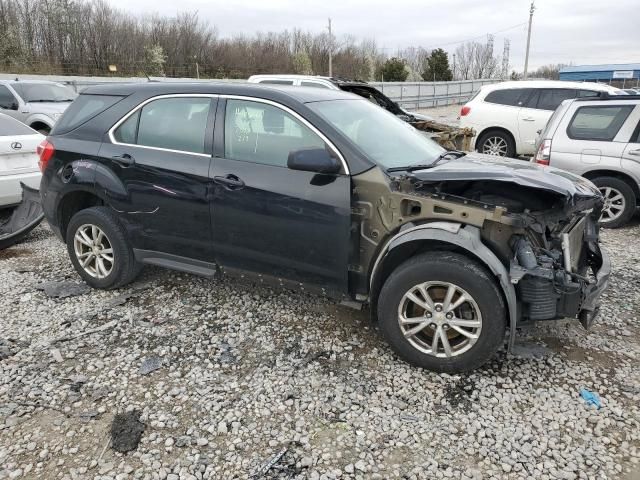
x=468 y=238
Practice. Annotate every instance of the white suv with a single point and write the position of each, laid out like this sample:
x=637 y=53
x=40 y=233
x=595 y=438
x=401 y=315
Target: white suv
x=600 y=140
x=507 y=116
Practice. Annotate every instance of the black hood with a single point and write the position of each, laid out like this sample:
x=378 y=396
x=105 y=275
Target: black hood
x=476 y=166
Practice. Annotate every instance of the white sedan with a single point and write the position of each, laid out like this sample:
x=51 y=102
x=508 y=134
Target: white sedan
x=18 y=159
x=20 y=209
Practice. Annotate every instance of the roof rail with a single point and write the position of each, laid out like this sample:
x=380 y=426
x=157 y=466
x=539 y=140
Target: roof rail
x=608 y=96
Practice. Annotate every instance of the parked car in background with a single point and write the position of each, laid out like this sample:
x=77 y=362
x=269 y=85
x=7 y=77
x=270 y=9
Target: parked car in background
x=36 y=103
x=507 y=116
x=359 y=88
x=20 y=176
x=322 y=191
x=18 y=159
x=598 y=138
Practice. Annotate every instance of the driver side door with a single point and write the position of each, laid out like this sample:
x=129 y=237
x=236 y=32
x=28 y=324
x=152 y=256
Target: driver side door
x=268 y=219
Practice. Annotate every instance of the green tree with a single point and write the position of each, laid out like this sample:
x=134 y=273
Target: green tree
x=302 y=63
x=393 y=70
x=154 y=59
x=436 y=67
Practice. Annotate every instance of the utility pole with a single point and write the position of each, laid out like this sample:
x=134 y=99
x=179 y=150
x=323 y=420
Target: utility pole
x=330 y=50
x=526 y=56
x=454 y=66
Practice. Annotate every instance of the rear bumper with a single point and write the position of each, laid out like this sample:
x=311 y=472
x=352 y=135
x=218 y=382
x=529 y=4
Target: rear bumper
x=10 y=189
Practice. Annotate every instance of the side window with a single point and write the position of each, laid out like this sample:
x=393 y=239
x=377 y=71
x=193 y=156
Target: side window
x=598 y=123
x=6 y=98
x=588 y=93
x=510 y=96
x=127 y=132
x=304 y=83
x=261 y=133
x=277 y=82
x=173 y=123
x=551 y=98
x=635 y=138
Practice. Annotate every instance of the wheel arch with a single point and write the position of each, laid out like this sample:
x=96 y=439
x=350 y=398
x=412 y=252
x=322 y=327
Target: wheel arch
x=447 y=236
x=497 y=128
x=71 y=203
x=626 y=178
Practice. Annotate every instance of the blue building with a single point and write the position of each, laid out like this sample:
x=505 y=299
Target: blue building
x=627 y=73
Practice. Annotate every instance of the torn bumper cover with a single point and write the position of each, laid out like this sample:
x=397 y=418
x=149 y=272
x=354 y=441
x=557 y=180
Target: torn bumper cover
x=24 y=218
x=563 y=282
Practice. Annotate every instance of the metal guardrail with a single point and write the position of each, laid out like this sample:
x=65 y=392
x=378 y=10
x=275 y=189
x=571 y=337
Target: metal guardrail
x=417 y=95
x=410 y=95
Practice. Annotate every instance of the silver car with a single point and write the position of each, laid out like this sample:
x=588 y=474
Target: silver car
x=35 y=103
x=600 y=140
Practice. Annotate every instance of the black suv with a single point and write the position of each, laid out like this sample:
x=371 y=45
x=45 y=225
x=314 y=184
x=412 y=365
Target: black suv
x=323 y=191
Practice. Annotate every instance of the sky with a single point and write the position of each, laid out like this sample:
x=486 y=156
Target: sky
x=564 y=31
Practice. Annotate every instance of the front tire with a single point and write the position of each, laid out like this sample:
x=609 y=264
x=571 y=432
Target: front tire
x=620 y=201
x=497 y=143
x=99 y=249
x=443 y=312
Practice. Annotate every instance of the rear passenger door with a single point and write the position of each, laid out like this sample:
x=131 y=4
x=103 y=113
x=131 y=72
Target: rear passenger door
x=268 y=219
x=596 y=134
x=535 y=114
x=159 y=156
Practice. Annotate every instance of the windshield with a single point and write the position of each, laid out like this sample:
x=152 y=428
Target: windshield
x=380 y=135
x=44 y=92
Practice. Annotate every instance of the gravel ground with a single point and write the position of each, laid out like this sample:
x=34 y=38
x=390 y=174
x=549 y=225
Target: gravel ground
x=224 y=380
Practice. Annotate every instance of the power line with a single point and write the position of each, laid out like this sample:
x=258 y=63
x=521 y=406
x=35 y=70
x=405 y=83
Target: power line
x=484 y=35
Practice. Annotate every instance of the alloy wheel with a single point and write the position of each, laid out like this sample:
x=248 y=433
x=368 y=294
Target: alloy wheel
x=440 y=319
x=495 y=146
x=93 y=250
x=614 y=204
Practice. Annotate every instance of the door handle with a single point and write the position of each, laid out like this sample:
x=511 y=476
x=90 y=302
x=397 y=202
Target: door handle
x=635 y=153
x=529 y=119
x=124 y=160
x=230 y=182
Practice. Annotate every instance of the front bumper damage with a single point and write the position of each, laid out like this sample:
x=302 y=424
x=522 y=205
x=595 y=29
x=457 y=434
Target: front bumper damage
x=562 y=282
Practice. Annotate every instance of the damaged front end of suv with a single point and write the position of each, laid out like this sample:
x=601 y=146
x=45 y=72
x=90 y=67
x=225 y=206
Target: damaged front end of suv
x=534 y=228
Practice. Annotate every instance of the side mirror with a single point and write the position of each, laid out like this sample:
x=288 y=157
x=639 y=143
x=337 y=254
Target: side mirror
x=14 y=106
x=316 y=160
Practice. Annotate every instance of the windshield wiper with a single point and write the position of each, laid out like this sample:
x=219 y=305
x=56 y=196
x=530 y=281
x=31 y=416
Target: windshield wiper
x=422 y=166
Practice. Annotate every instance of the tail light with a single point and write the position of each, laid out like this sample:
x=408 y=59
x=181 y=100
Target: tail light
x=465 y=110
x=543 y=155
x=45 y=151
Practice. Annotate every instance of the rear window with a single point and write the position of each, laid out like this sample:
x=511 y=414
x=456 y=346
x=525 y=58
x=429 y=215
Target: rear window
x=598 y=123
x=510 y=96
x=84 y=108
x=11 y=127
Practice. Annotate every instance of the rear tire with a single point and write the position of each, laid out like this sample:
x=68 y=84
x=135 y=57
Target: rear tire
x=99 y=249
x=481 y=313
x=620 y=201
x=496 y=142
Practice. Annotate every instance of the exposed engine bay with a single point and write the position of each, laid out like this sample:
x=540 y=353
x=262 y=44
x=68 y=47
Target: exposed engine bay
x=546 y=238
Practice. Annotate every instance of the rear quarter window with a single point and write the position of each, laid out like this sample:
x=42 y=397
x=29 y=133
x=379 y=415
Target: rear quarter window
x=598 y=123
x=83 y=109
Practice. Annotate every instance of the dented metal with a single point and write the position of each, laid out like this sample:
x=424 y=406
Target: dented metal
x=536 y=229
